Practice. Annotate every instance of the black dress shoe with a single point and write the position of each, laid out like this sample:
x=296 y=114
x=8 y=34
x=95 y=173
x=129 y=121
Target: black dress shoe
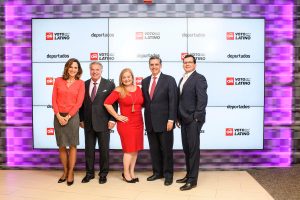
x=182 y=180
x=61 y=180
x=168 y=182
x=136 y=179
x=87 y=179
x=129 y=181
x=187 y=186
x=102 y=179
x=70 y=183
x=154 y=177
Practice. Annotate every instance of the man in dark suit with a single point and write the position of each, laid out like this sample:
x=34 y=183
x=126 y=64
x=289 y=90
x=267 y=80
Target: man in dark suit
x=191 y=117
x=160 y=101
x=96 y=122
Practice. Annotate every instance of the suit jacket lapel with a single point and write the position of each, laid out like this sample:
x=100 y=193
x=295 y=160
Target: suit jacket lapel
x=87 y=89
x=100 y=87
x=188 y=80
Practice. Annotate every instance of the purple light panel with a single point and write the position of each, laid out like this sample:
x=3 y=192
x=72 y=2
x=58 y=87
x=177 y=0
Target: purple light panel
x=278 y=77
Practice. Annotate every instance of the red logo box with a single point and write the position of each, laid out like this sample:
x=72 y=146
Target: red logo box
x=230 y=81
x=230 y=35
x=139 y=35
x=182 y=55
x=138 y=81
x=49 y=81
x=93 y=56
x=229 y=131
x=50 y=131
x=49 y=35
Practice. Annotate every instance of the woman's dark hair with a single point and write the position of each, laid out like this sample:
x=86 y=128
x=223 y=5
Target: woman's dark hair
x=68 y=65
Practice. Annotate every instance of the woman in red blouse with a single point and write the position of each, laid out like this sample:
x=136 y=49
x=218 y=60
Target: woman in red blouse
x=67 y=97
x=130 y=123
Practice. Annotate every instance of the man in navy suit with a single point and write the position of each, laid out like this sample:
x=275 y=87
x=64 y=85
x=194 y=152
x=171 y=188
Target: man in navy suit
x=191 y=117
x=160 y=101
x=96 y=122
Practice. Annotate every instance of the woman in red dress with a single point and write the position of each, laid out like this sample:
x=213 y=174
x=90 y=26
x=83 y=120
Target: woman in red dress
x=130 y=123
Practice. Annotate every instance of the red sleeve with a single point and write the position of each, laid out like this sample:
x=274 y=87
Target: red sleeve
x=54 y=97
x=79 y=99
x=112 y=98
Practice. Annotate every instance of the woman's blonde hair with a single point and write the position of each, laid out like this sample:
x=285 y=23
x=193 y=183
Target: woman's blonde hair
x=123 y=91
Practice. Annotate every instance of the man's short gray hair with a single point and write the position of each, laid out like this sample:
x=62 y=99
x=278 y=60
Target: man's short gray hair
x=96 y=63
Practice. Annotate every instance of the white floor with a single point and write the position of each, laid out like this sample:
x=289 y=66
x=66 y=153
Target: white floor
x=212 y=185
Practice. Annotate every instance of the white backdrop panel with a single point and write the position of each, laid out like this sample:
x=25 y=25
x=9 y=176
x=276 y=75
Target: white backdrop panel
x=220 y=118
x=85 y=36
x=220 y=93
x=135 y=39
x=208 y=36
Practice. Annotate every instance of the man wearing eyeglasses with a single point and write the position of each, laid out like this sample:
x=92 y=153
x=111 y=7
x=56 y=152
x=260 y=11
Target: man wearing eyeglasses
x=191 y=117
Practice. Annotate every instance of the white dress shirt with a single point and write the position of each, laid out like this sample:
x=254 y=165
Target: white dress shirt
x=185 y=77
x=92 y=86
x=151 y=81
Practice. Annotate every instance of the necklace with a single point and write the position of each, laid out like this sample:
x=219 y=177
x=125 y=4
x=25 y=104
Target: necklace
x=133 y=100
x=70 y=81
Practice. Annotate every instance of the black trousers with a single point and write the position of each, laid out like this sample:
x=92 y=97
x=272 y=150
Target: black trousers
x=161 y=150
x=103 y=138
x=190 y=134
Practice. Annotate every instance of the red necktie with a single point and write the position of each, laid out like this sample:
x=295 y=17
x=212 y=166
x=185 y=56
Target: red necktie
x=94 y=92
x=153 y=87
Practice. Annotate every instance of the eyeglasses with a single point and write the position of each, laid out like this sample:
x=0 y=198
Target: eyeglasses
x=189 y=62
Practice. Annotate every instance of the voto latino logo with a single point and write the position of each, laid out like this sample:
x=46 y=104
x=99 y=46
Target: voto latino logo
x=237 y=132
x=102 y=56
x=57 y=36
x=50 y=80
x=237 y=81
x=229 y=131
x=198 y=56
x=147 y=35
x=50 y=131
x=238 y=36
x=138 y=81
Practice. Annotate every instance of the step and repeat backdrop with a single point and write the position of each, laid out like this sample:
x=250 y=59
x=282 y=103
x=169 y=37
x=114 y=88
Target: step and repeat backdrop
x=229 y=53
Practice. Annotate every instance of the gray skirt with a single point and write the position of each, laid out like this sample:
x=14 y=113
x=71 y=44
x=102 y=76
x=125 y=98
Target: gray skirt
x=68 y=134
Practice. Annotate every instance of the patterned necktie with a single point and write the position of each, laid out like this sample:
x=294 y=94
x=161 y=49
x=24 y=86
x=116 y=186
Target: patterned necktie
x=153 y=87
x=94 y=92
